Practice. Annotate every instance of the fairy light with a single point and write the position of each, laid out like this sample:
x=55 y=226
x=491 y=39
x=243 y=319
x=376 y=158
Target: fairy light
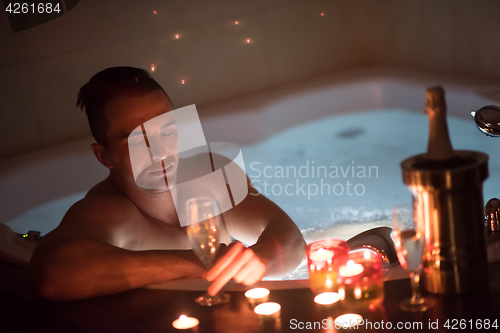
x=154 y=12
x=322 y=14
x=153 y=67
x=182 y=81
x=236 y=22
x=176 y=36
x=248 y=40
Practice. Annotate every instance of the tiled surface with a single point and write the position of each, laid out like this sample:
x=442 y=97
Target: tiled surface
x=57 y=81
x=290 y=41
x=18 y=116
x=215 y=61
x=13 y=46
x=302 y=43
x=453 y=36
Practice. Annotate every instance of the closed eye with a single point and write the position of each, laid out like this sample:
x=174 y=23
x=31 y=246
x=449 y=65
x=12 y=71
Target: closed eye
x=168 y=131
x=136 y=140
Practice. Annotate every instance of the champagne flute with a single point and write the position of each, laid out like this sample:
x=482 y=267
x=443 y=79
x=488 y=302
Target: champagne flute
x=203 y=233
x=408 y=236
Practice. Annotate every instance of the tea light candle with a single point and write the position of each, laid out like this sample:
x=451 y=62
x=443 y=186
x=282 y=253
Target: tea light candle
x=268 y=310
x=257 y=295
x=326 y=298
x=321 y=255
x=348 y=320
x=361 y=282
x=351 y=269
x=324 y=259
x=184 y=322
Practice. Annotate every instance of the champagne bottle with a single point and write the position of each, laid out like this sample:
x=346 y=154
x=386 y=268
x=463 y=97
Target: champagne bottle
x=439 y=147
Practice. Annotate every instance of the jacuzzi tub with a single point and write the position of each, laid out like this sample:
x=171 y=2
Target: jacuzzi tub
x=354 y=121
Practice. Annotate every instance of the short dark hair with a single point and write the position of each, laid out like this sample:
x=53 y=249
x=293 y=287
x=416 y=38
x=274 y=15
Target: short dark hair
x=108 y=85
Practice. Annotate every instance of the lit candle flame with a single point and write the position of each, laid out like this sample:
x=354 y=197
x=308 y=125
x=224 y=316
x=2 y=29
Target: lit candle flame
x=351 y=269
x=321 y=255
x=326 y=298
x=267 y=308
x=367 y=254
x=348 y=320
x=257 y=293
x=184 y=322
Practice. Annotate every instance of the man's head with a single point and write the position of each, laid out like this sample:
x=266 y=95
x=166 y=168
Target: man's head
x=109 y=85
x=119 y=102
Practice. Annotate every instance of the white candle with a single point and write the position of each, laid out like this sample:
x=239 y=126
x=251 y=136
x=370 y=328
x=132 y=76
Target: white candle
x=268 y=309
x=184 y=322
x=326 y=298
x=351 y=269
x=321 y=255
x=348 y=320
x=257 y=295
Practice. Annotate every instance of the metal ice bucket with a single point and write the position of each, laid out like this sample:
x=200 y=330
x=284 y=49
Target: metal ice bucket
x=448 y=197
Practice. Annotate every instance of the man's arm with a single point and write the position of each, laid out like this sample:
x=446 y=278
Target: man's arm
x=277 y=245
x=82 y=257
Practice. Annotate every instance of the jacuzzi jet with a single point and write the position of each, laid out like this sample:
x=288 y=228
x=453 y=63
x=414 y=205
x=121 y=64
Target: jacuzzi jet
x=487 y=120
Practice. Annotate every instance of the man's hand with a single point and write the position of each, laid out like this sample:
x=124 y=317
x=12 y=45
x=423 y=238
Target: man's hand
x=238 y=263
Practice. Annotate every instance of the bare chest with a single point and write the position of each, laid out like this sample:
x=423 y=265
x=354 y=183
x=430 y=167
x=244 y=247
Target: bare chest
x=149 y=234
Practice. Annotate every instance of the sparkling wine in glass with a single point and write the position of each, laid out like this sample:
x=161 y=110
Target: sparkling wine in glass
x=408 y=236
x=203 y=234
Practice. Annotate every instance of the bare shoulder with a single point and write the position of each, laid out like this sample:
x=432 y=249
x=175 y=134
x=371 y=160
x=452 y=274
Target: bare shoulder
x=105 y=217
x=104 y=206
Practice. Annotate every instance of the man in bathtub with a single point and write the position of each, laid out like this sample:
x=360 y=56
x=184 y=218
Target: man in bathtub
x=123 y=236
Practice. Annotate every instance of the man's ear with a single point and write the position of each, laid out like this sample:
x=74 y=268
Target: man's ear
x=100 y=152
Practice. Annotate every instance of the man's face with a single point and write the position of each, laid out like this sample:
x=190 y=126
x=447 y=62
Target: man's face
x=143 y=140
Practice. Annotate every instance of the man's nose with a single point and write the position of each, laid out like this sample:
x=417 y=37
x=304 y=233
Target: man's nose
x=158 y=150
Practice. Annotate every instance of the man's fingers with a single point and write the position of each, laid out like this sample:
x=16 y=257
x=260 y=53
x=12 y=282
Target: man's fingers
x=255 y=275
x=225 y=260
x=242 y=274
x=229 y=272
x=252 y=265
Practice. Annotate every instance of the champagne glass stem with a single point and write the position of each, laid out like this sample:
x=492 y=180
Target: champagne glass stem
x=415 y=287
